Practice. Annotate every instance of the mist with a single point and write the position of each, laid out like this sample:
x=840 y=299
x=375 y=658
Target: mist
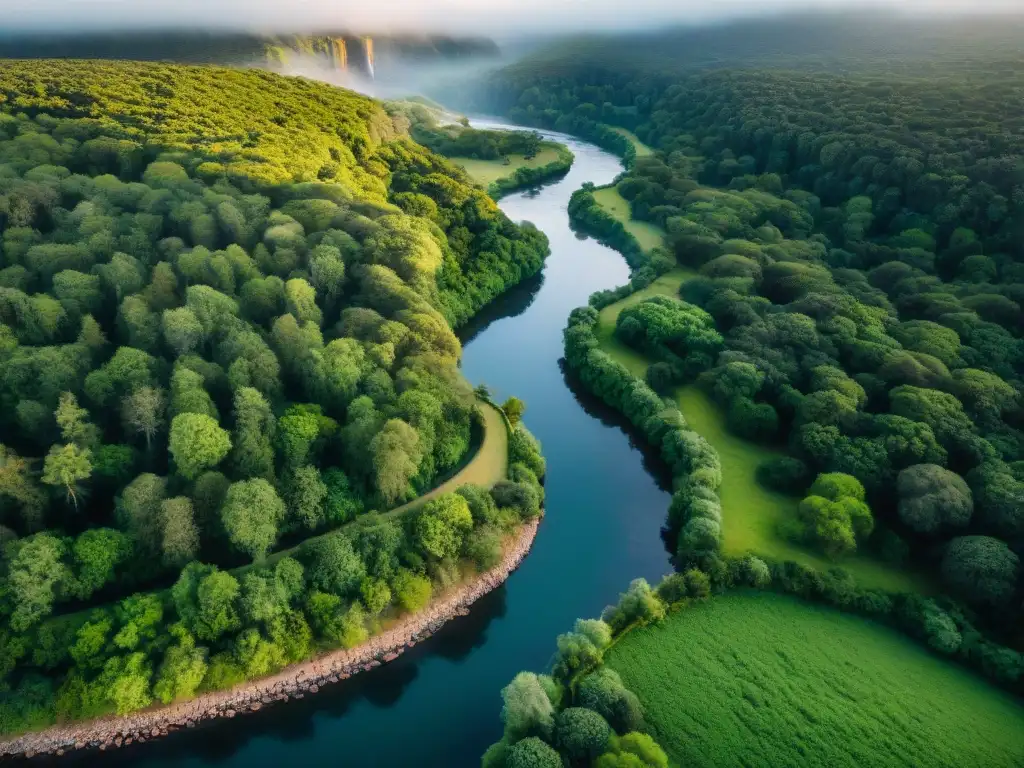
x=498 y=18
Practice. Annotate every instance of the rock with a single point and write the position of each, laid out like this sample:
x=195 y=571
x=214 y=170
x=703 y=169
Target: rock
x=255 y=707
x=314 y=689
x=230 y=713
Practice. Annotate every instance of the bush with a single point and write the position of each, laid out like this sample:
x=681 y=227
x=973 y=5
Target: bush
x=981 y=569
x=581 y=734
x=603 y=692
x=661 y=378
x=784 y=474
x=531 y=752
x=527 y=710
x=637 y=604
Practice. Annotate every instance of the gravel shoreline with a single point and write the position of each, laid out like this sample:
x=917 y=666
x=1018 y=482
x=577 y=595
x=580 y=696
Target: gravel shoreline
x=295 y=681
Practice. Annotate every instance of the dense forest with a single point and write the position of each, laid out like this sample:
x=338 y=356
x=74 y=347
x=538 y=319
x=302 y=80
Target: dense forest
x=859 y=244
x=851 y=196
x=226 y=312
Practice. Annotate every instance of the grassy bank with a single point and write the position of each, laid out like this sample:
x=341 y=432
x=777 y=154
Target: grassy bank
x=648 y=235
x=762 y=679
x=641 y=149
x=751 y=513
x=516 y=171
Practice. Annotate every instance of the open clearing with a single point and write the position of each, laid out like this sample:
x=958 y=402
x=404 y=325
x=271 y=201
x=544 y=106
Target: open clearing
x=647 y=234
x=760 y=679
x=484 y=172
x=751 y=514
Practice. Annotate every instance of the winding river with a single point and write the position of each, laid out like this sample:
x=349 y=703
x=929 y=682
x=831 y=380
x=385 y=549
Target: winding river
x=439 y=704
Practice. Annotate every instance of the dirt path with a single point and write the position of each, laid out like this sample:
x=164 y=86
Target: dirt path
x=295 y=681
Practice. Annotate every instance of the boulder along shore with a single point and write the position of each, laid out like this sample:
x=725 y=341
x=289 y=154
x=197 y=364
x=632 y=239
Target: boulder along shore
x=295 y=681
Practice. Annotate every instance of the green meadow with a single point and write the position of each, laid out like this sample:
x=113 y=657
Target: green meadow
x=759 y=679
x=752 y=514
x=485 y=172
x=647 y=234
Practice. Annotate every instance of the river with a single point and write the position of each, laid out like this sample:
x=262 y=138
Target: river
x=439 y=704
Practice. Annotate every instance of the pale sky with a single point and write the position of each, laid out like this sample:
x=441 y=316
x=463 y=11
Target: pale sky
x=492 y=17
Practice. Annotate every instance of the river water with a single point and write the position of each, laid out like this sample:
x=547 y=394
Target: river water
x=439 y=704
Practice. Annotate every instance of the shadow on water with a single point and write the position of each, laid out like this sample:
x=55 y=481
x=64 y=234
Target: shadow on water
x=510 y=304
x=653 y=464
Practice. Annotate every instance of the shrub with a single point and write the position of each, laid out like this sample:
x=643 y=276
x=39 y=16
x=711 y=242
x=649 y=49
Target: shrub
x=981 y=569
x=784 y=474
x=581 y=734
x=603 y=692
x=531 y=752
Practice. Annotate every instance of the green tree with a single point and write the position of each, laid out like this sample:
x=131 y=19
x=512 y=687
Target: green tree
x=74 y=422
x=65 y=467
x=441 y=526
x=306 y=496
x=411 y=591
x=96 y=554
x=834 y=515
x=182 y=330
x=183 y=667
x=36 y=575
x=981 y=569
x=180 y=533
x=333 y=565
x=527 y=710
x=126 y=682
x=933 y=499
x=581 y=734
x=253 y=438
x=216 y=606
x=197 y=443
x=531 y=752
x=138 y=513
x=252 y=513
x=514 y=409
x=143 y=412
x=396 y=456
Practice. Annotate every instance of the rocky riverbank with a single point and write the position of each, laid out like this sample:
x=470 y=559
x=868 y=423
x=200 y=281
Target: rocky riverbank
x=295 y=681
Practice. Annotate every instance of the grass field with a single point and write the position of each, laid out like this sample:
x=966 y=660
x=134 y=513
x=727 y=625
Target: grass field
x=483 y=172
x=647 y=234
x=751 y=513
x=642 y=150
x=758 y=679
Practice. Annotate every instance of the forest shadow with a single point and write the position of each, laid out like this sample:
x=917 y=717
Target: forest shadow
x=512 y=303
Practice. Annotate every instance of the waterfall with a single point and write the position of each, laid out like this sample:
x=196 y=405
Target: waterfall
x=368 y=48
x=340 y=54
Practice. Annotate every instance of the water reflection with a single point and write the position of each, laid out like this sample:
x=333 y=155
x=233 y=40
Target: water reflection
x=511 y=304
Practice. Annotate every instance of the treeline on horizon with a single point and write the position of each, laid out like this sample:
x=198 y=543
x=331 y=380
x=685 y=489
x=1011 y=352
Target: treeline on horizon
x=858 y=225
x=198 y=46
x=227 y=302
